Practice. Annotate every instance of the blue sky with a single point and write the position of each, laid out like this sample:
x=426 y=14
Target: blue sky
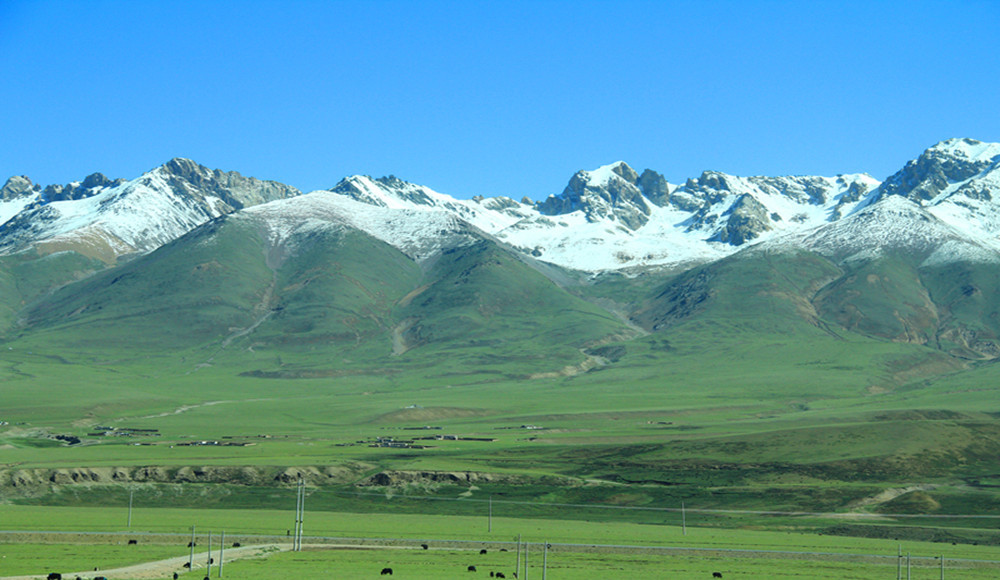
x=492 y=98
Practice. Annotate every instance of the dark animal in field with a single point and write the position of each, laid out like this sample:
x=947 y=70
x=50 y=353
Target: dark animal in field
x=483 y=551
x=100 y=578
x=55 y=576
x=716 y=574
x=491 y=574
x=192 y=544
x=186 y=565
x=500 y=575
x=472 y=568
x=175 y=575
x=387 y=571
x=211 y=560
x=236 y=544
x=503 y=549
x=424 y=546
x=133 y=542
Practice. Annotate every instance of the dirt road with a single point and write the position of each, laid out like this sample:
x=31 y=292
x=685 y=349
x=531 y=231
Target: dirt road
x=166 y=568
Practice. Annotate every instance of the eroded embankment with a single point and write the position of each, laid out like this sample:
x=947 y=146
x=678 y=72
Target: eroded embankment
x=34 y=482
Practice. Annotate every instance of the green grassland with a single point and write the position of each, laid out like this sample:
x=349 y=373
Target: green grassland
x=768 y=383
x=579 y=548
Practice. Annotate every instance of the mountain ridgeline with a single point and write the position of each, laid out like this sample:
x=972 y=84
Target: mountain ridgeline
x=377 y=274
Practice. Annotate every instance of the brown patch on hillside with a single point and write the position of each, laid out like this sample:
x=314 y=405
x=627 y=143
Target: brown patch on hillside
x=426 y=414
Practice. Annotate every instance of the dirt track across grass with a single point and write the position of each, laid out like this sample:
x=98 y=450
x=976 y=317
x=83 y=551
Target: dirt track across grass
x=165 y=568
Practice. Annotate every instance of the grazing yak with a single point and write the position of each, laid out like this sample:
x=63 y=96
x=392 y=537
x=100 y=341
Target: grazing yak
x=483 y=551
x=54 y=576
x=387 y=571
x=424 y=546
x=236 y=544
x=471 y=568
x=133 y=542
x=716 y=574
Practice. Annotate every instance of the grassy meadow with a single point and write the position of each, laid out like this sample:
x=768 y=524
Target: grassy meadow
x=361 y=544
x=773 y=433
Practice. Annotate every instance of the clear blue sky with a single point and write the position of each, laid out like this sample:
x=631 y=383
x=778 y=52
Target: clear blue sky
x=492 y=98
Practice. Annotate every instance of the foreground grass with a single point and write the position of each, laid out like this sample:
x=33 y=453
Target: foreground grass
x=29 y=558
x=561 y=564
x=531 y=561
x=18 y=521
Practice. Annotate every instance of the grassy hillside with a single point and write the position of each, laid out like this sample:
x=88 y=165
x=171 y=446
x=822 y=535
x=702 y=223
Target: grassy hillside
x=764 y=381
x=27 y=276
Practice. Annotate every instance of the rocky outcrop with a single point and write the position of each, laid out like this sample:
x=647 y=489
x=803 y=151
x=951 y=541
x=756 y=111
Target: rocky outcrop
x=92 y=185
x=401 y=478
x=186 y=176
x=654 y=187
x=18 y=186
x=948 y=162
x=34 y=480
x=611 y=193
x=747 y=219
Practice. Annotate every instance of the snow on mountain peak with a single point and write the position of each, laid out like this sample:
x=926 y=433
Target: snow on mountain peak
x=602 y=175
x=609 y=218
x=419 y=233
x=969 y=149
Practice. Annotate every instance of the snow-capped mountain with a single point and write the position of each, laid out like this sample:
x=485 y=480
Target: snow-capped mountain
x=417 y=233
x=105 y=218
x=610 y=218
x=615 y=218
x=913 y=259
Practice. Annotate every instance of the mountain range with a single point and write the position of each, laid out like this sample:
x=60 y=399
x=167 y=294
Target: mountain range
x=379 y=269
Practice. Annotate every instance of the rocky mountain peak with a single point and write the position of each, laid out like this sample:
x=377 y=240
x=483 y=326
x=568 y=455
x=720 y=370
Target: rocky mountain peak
x=389 y=191
x=90 y=186
x=622 y=169
x=654 y=186
x=945 y=164
x=609 y=192
x=17 y=186
x=186 y=168
x=237 y=191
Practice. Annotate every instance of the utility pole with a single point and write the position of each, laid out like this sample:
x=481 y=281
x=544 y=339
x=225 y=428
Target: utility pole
x=298 y=505
x=222 y=547
x=489 y=525
x=191 y=559
x=907 y=566
x=208 y=557
x=300 y=511
x=684 y=528
x=527 y=548
x=517 y=567
x=942 y=567
x=545 y=559
x=130 y=492
x=899 y=562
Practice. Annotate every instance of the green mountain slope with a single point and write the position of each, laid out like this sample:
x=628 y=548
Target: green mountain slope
x=331 y=299
x=28 y=276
